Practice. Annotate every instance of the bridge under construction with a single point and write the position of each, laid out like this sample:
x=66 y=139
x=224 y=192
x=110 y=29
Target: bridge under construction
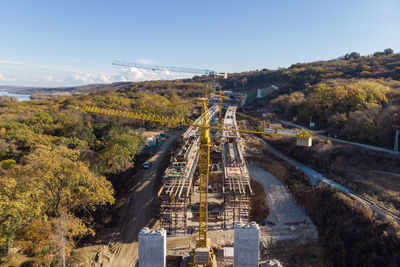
x=176 y=193
x=236 y=187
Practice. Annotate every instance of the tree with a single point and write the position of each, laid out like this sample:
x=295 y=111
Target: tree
x=115 y=159
x=352 y=55
x=47 y=240
x=7 y=163
x=58 y=178
x=49 y=187
x=65 y=227
x=388 y=51
x=288 y=104
x=375 y=92
x=17 y=207
x=361 y=125
x=320 y=103
x=6 y=98
x=34 y=241
x=121 y=146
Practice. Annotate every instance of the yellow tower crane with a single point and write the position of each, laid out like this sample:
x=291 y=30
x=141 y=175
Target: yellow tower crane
x=203 y=253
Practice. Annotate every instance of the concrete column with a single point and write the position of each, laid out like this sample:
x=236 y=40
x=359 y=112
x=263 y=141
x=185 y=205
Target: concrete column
x=152 y=248
x=246 y=245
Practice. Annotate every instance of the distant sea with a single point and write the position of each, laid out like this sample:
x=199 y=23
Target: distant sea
x=21 y=97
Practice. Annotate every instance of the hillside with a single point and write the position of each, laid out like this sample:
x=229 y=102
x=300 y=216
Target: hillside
x=356 y=99
x=61 y=169
x=303 y=75
x=352 y=97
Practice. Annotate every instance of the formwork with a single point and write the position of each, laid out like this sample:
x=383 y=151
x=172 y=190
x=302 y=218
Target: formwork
x=236 y=208
x=175 y=193
x=152 y=248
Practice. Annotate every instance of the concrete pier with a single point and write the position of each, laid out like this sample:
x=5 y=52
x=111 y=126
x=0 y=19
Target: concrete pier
x=152 y=248
x=246 y=245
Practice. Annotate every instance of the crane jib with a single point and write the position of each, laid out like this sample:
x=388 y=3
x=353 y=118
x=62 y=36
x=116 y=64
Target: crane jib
x=291 y=132
x=287 y=132
x=169 y=68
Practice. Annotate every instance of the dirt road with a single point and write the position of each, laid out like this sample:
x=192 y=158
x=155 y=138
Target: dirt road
x=139 y=212
x=283 y=209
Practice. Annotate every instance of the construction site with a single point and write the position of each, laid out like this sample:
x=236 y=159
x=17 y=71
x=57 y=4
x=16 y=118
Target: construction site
x=206 y=192
x=229 y=200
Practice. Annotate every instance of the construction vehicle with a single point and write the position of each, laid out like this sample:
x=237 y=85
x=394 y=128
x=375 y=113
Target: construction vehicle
x=203 y=254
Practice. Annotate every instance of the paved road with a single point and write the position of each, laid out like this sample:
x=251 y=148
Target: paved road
x=316 y=177
x=139 y=212
x=318 y=133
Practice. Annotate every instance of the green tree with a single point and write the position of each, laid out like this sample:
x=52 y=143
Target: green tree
x=352 y=55
x=119 y=152
x=7 y=163
x=388 y=51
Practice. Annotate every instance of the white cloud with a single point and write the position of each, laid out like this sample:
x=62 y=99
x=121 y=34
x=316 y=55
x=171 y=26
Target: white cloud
x=88 y=78
x=137 y=74
x=24 y=74
x=48 y=78
x=4 y=78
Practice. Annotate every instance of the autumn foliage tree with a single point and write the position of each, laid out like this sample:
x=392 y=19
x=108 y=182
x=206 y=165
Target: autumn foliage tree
x=50 y=186
x=355 y=110
x=53 y=163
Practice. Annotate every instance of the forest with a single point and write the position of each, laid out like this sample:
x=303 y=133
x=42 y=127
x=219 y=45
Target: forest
x=355 y=97
x=366 y=111
x=55 y=164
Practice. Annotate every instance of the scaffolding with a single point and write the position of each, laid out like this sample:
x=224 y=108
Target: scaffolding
x=175 y=194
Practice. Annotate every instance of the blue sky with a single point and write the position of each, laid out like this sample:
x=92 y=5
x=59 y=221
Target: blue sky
x=63 y=43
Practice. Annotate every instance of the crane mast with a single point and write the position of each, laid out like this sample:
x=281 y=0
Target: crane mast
x=204 y=162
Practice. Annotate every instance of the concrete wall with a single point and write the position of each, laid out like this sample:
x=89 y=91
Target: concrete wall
x=259 y=93
x=246 y=245
x=152 y=248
